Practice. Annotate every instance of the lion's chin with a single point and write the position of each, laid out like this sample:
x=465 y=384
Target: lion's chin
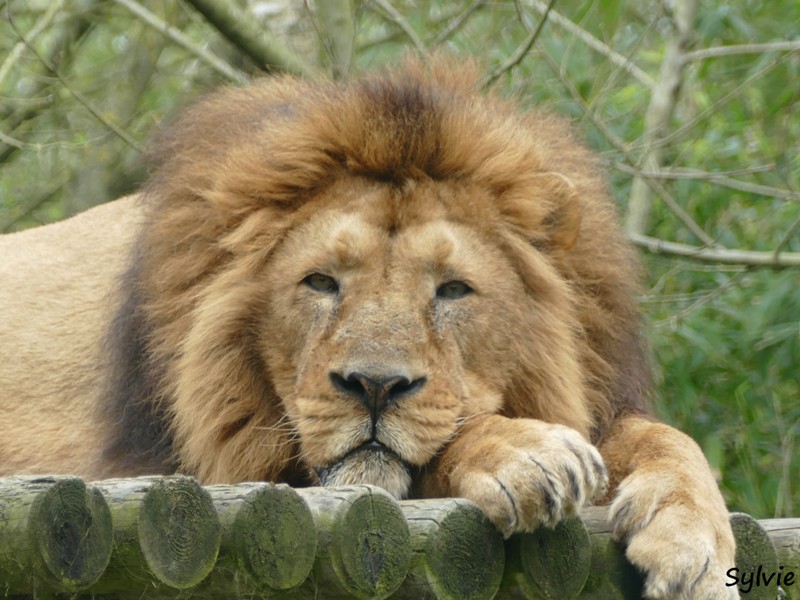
x=369 y=465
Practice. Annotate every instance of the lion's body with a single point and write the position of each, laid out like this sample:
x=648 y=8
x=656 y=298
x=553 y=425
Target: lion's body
x=396 y=281
x=59 y=291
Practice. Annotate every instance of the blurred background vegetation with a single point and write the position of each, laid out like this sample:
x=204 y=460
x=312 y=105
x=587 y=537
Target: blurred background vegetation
x=693 y=105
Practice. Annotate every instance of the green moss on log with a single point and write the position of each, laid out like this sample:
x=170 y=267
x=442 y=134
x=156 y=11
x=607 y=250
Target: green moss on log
x=457 y=553
x=364 y=546
x=549 y=564
x=611 y=576
x=166 y=532
x=754 y=554
x=269 y=539
x=55 y=534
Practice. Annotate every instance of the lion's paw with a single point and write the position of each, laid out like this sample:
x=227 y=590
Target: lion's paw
x=525 y=473
x=683 y=549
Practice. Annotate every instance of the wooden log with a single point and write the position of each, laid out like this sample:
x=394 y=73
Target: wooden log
x=611 y=576
x=269 y=540
x=166 y=533
x=785 y=537
x=457 y=554
x=756 y=570
x=55 y=535
x=548 y=564
x=364 y=544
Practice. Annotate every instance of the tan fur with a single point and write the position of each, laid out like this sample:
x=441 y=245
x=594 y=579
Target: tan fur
x=392 y=186
x=57 y=294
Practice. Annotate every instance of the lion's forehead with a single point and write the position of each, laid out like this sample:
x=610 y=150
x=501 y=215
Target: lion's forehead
x=439 y=248
x=379 y=226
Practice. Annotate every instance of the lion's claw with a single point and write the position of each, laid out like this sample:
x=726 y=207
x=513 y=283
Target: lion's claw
x=530 y=474
x=654 y=527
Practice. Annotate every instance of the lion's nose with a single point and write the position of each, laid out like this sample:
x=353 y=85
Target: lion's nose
x=376 y=393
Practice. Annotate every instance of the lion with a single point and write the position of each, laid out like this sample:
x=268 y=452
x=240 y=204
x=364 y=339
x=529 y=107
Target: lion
x=396 y=280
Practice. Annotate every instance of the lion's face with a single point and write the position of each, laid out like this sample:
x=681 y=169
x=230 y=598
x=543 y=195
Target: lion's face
x=391 y=318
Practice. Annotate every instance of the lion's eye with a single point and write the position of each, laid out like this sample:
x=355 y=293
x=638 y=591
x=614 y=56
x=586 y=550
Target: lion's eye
x=453 y=290
x=322 y=283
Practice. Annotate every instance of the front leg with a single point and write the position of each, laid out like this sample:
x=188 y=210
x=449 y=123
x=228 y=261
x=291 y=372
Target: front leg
x=521 y=472
x=669 y=511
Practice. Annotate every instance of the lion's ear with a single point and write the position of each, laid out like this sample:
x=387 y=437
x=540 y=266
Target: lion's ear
x=546 y=210
x=563 y=225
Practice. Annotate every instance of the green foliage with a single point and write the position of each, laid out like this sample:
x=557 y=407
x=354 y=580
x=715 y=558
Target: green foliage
x=727 y=351
x=726 y=340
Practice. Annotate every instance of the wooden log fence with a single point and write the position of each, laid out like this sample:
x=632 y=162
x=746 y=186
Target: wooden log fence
x=169 y=537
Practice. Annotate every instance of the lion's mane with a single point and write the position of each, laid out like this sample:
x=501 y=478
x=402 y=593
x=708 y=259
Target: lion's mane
x=242 y=168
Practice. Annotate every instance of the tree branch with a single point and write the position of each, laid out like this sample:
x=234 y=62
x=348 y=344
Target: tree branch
x=392 y=36
x=87 y=104
x=43 y=22
x=717 y=51
x=255 y=41
x=337 y=33
x=702 y=298
x=61 y=47
x=592 y=42
x=751 y=258
x=722 y=179
x=457 y=23
x=663 y=101
x=526 y=46
x=790 y=233
x=683 y=173
x=219 y=65
x=395 y=17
